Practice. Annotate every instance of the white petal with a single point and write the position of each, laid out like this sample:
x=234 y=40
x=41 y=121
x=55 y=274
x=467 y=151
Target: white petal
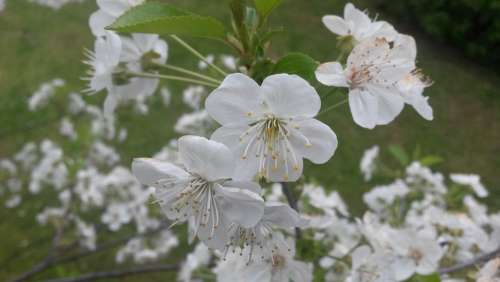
x=230 y=136
x=110 y=104
x=145 y=42
x=239 y=205
x=360 y=255
x=390 y=104
x=403 y=268
x=98 y=21
x=237 y=100
x=113 y=7
x=149 y=171
x=219 y=238
x=247 y=185
x=313 y=140
x=283 y=216
x=290 y=96
x=359 y=19
x=130 y=50
x=336 y=25
x=300 y=271
x=331 y=74
x=364 y=108
x=209 y=159
x=421 y=105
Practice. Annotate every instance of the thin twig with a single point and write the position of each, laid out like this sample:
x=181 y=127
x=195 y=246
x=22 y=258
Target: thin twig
x=198 y=55
x=173 y=77
x=293 y=204
x=113 y=274
x=188 y=72
x=333 y=106
x=472 y=262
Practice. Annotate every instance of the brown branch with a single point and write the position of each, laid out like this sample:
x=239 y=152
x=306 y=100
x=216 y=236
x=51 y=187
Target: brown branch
x=293 y=204
x=472 y=262
x=113 y=274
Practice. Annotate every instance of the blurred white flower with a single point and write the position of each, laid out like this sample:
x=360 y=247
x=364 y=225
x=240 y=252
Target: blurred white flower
x=357 y=24
x=320 y=200
x=67 y=129
x=203 y=190
x=196 y=123
x=490 y=272
x=368 y=162
x=44 y=93
x=369 y=266
x=55 y=4
x=373 y=71
x=199 y=257
x=202 y=65
x=109 y=11
x=471 y=180
x=166 y=96
x=271 y=128
x=193 y=96
x=380 y=197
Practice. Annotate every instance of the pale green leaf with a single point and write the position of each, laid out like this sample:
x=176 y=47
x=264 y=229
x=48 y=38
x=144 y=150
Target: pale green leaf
x=297 y=63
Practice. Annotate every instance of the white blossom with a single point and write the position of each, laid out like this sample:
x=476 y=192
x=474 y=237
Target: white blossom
x=44 y=93
x=109 y=11
x=471 y=180
x=490 y=272
x=271 y=128
x=202 y=190
x=368 y=162
x=357 y=24
x=372 y=73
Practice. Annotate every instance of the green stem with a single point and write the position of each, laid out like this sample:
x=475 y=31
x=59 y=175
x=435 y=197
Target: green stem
x=197 y=54
x=334 y=106
x=173 y=77
x=185 y=71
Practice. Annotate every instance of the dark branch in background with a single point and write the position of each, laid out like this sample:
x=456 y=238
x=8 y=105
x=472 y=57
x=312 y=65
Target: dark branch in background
x=478 y=260
x=113 y=274
x=51 y=259
x=293 y=204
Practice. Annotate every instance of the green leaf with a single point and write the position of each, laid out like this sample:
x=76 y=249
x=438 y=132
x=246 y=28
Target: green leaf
x=265 y=7
x=399 y=153
x=297 y=63
x=152 y=17
x=431 y=160
x=428 y=278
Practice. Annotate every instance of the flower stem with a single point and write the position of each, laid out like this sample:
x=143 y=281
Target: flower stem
x=185 y=71
x=173 y=77
x=334 y=106
x=198 y=54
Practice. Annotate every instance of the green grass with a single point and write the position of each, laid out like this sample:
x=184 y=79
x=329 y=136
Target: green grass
x=38 y=44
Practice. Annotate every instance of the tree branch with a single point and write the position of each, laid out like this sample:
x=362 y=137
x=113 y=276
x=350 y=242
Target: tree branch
x=472 y=262
x=113 y=274
x=293 y=204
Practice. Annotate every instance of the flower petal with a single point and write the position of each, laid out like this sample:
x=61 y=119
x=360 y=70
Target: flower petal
x=237 y=100
x=331 y=74
x=113 y=7
x=285 y=173
x=283 y=216
x=390 y=104
x=336 y=25
x=240 y=206
x=247 y=185
x=149 y=171
x=209 y=159
x=313 y=140
x=98 y=21
x=364 y=108
x=290 y=96
x=357 y=17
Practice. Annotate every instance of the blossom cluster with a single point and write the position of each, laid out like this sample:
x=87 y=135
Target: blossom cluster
x=245 y=142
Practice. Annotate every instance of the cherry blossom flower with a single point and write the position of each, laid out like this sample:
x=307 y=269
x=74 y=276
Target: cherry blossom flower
x=271 y=128
x=490 y=272
x=357 y=24
x=373 y=71
x=202 y=189
x=260 y=236
x=370 y=266
x=109 y=11
x=280 y=266
x=411 y=88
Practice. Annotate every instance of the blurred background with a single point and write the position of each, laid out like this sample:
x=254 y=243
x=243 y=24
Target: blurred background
x=458 y=47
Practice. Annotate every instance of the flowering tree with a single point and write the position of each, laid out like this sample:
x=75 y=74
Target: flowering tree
x=242 y=192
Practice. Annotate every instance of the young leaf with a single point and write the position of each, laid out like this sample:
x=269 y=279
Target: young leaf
x=431 y=160
x=297 y=63
x=265 y=7
x=427 y=278
x=399 y=153
x=152 y=17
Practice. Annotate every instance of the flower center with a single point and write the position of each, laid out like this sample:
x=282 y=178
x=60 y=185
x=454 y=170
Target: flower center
x=415 y=254
x=269 y=139
x=278 y=261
